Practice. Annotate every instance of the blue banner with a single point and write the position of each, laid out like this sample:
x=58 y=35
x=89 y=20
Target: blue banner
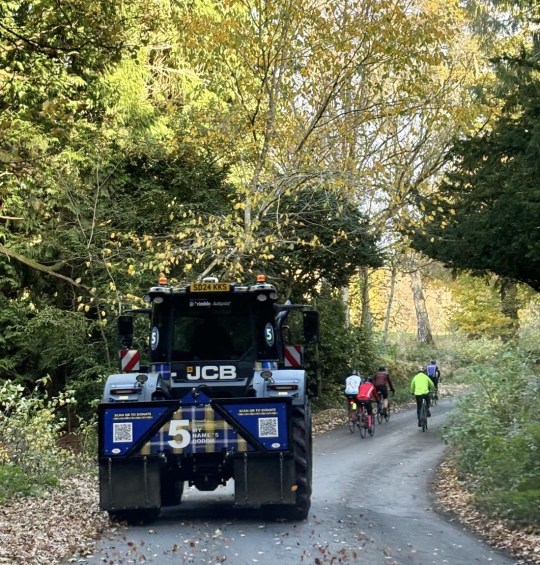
x=123 y=427
x=267 y=423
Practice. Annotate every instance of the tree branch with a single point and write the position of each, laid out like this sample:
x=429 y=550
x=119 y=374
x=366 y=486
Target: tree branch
x=39 y=267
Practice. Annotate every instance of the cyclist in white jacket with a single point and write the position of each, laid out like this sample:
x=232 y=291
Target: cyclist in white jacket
x=352 y=384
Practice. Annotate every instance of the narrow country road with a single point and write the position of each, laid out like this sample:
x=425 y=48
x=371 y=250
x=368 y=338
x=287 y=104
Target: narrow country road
x=371 y=504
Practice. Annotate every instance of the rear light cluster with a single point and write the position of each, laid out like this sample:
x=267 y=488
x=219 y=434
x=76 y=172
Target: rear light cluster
x=135 y=390
x=283 y=387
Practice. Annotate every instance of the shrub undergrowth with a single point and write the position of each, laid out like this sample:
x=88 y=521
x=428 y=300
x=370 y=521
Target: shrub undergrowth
x=30 y=427
x=495 y=437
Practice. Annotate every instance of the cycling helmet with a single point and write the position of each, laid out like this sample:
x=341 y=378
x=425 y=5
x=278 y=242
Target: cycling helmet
x=382 y=368
x=433 y=362
x=370 y=378
x=421 y=369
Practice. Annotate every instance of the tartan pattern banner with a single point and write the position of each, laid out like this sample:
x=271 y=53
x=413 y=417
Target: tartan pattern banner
x=196 y=429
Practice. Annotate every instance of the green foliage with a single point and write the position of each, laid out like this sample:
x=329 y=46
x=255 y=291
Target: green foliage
x=323 y=238
x=341 y=349
x=489 y=201
x=30 y=426
x=477 y=310
x=495 y=438
x=14 y=481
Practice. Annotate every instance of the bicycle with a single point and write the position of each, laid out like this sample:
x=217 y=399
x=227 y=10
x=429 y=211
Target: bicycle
x=423 y=414
x=366 y=423
x=382 y=412
x=353 y=418
x=434 y=397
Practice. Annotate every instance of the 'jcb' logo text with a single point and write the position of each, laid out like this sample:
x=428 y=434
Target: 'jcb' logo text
x=211 y=373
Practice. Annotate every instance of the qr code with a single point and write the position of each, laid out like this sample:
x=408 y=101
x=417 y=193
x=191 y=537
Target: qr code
x=123 y=432
x=268 y=427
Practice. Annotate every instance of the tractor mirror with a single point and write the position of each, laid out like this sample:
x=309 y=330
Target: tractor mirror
x=125 y=331
x=311 y=326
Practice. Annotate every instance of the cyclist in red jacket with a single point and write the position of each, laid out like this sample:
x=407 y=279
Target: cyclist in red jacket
x=366 y=393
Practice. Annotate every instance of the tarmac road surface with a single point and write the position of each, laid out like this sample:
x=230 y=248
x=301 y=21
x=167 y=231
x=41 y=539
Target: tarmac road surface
x=371 y=504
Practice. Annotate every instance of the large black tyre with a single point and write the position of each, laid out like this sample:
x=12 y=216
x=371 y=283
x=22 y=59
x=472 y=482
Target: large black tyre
x=303 y=460
x=142 y=516
x=171 y=490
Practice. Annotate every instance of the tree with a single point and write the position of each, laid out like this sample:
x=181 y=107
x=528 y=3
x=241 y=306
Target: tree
x=485 y=217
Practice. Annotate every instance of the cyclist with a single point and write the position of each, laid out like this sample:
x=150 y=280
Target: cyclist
x=382 y=381
x=434 y=373
x=421 y=384
x=366 y=393
x=352 y=384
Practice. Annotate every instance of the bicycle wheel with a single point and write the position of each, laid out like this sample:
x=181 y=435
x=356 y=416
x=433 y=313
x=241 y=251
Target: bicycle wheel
x=371 y=429
x=380 y=414
x=353 y=420
x=387 y=413
x=363 y=426
x=423 y=416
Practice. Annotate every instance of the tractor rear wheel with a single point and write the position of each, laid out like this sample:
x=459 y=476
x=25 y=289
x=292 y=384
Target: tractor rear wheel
x=303 y=459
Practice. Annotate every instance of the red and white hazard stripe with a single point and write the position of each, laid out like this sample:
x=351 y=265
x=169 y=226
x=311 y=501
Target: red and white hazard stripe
x=129 y=360
x=294 y=355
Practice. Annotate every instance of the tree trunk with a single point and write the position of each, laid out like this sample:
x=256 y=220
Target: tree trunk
x=393 y=276
x=345 y=298
x=510 y=307
x=366 y=318
x=422 y=319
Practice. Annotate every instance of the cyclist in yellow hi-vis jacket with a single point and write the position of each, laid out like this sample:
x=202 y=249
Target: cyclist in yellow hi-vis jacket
x=421 y=385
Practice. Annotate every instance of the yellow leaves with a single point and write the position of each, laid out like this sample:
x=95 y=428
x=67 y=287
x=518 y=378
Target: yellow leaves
x=131 y=270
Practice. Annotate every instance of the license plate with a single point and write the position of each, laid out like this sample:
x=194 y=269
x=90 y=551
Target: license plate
x=210 y=287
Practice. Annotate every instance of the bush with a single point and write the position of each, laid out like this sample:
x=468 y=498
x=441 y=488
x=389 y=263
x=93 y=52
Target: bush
x=14 y=481
x=30 y=426
x=495 y=438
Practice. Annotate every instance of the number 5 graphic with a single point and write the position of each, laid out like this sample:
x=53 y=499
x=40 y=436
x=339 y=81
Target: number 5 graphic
x=177 y=429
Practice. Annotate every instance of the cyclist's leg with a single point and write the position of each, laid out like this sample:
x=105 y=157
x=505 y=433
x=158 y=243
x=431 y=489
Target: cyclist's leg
x=379 y=403
x=369 y=409
x=419 y=399
x=383 y=391
x=428 y=404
